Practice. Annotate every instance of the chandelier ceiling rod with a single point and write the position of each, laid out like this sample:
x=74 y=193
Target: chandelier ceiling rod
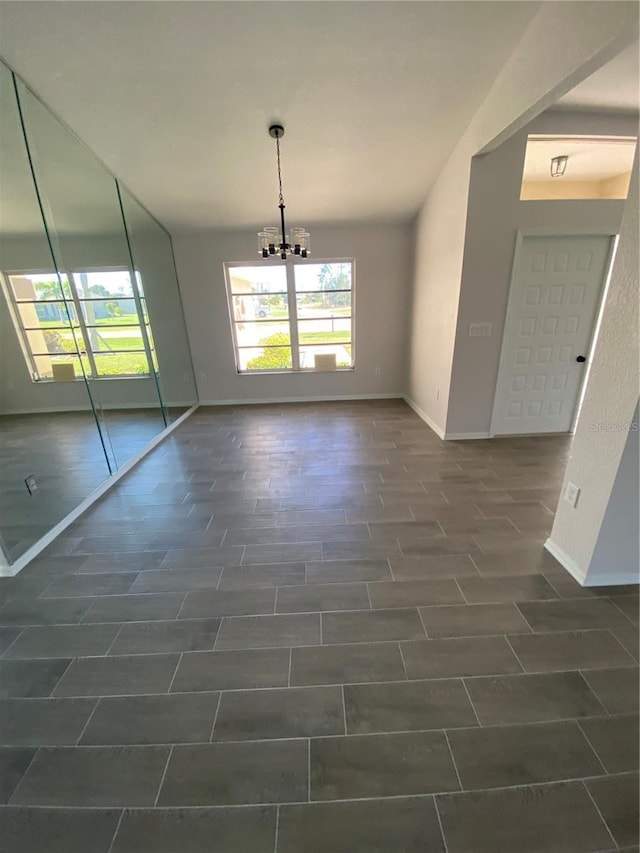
x=270 y=242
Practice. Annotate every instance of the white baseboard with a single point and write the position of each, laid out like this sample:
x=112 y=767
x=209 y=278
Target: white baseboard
x=585 y=578
x=465 y=436
x=424 y=417
x=565 y=561
x=52 y=410
x=619 y=579
x=38 y=547
x=334 y=398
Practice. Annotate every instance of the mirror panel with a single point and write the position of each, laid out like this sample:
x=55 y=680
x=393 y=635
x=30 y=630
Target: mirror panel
x=95 y=360
x=48 y=428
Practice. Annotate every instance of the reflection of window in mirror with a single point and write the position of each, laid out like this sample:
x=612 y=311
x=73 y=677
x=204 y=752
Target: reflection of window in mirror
x=81 y=322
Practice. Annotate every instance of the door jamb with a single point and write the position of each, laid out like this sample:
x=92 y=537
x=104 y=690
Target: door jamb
x=544 y=232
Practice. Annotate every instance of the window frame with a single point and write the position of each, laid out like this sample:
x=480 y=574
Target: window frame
x=292 y=319
x=78 y=325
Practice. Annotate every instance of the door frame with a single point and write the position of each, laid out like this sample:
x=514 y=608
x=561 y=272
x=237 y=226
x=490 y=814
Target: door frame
x=521 y=234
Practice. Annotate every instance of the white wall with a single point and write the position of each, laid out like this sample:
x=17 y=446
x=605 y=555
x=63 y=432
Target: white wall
x=383 y=268
x=617 y=550
x=610 y=400
x=495 y=214
x=564 y=43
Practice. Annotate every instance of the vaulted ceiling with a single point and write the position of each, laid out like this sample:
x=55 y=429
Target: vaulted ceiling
x=176 y=97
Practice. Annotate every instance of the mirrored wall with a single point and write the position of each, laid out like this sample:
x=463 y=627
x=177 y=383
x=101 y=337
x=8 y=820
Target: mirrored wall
x=94 y=356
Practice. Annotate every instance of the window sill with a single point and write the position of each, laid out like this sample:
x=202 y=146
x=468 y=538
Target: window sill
x=89 y=379
x=293 y=372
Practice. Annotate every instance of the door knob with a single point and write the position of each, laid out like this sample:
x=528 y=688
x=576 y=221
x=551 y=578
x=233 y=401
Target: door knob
x=581 y=359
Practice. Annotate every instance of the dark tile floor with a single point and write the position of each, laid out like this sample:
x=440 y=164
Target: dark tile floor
x=319 y=629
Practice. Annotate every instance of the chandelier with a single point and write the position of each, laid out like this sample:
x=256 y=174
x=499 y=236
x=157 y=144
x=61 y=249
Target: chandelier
x=274 y=241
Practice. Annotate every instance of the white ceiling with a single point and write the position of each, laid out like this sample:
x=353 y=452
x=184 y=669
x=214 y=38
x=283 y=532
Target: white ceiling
x=591 y=159
x=176 y=98
x=614 y=87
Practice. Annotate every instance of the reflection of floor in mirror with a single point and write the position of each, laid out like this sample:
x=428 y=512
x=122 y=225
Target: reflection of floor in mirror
x=63 y=451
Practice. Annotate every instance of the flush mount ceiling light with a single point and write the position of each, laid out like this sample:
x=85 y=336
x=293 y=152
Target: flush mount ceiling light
x=273 y=241
x=558 y=166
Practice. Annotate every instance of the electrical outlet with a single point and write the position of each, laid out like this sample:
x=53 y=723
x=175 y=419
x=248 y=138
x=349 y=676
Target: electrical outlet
x=31 y=484
x=377 y=371
x=571 y=494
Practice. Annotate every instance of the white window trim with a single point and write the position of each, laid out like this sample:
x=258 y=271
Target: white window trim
x=21 y=332
x=292 y=319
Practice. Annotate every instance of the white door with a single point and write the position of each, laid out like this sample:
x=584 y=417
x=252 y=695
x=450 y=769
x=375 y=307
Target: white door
x=553 y=304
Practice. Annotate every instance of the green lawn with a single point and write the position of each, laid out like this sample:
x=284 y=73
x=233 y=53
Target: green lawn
x=325 y=338
x=124 y=320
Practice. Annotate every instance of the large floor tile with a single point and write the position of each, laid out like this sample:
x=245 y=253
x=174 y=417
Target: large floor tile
x=617 y=798
x=378 y=625
x=459 y=656
x=617 y=689
x=568 y=650
x=66 y=830
x=572 y=615
x=501 y=756
x=230 y=830
x=381 y=766
x=63 y=641
x=240 y=602
x=179 y=718
x=347 y=571
x=134 y=608
x=236 y=773
x=86 y=585
x=319 y=597
x=516 y=588
x=472 y=620
x=432 y=568
x=532 y=698
x=407 y=706
x=232 y=670
x=113 y=676
x=262 y=575
x=30 y=678
x=62 y=611
x=182 y=635
x=14 y=762
x=43 y=722
x=532 y=819
x=183 y=581
x=88 y=776
x=344 y=664
x=413 y=593
x=288 y=713
x=255 y=632
x=399 y=825
x=615 y=739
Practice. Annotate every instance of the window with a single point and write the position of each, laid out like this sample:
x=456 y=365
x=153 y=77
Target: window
x=291 y=316
x=91 y=322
